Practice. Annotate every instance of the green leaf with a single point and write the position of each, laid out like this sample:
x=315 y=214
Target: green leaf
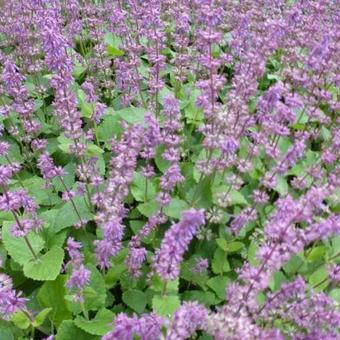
x=114 y=273
x=284 y=144
x=220 y=263
x=163 y=93
x=17 y=247
x=132 y=115
x=193 y=114
x=95 y=292
x=205 y=336
x=100 y=325
x=91 y=149
x=47 y=267
x=53 y=239
x=148 y=209
x=301 y=120
x=135 y=299
x=3 y=255
x=100 y=164
x=136 y=225
x=175 y=208
x=158 y=285
x=69 y=331
x=40 y=318
x=86 y=109
x=293 y=265
x=109 y=127
x=43 y=196
x=161 y=163
x=201 y=193
x=282 y=185
x=78 y=69
x=188 y=274
x=141 y=186
x=94 y=150
x=222 y=243
x=273 y=77
x=206 y=298
x=5 y=216
x=252 y=254
x=21 y=320
x=335 y=294
x=14 y=154
x=218 y=285
x=325 y=133
x=165 y=305
x=6 y=334
x=261 y=298
x=276 y=281
x=235 y=246
x=317 y=253
x=64 y=144
x=114 y=52
x=52 y=294
x=113 y=43
x=335 y=244
x=317 y=277
x=67 y=215
x=68 y=178
x=237 y=198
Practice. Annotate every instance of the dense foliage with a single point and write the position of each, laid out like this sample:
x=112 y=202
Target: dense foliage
x=169 y=169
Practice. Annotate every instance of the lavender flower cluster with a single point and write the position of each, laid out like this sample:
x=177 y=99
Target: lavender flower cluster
x=169 y=169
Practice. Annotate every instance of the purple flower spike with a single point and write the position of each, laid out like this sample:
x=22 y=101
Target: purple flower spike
x=176 y=240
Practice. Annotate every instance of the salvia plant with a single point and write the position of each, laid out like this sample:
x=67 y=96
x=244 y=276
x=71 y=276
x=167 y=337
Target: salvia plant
x=169 y=169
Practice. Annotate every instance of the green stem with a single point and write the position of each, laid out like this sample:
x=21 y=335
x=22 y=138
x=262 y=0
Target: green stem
x=146 y=189
x=200 y=180
x=16 y=175
x=30 y=317
x=25 y=237
x=20 y=226
x=85 y=312
x=196 y=190
x=71 y=200
x=30 y=247
x=164 y=288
